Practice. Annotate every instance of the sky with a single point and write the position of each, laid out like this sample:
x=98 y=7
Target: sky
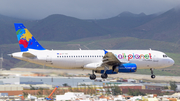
x=82 y=9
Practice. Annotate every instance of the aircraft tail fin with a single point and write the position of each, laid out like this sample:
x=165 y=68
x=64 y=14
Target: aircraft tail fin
x=26 y=39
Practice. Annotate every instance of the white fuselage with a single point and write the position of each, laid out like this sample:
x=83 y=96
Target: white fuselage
x=78 y=59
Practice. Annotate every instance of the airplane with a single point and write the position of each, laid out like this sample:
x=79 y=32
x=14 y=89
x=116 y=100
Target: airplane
x=104 y=62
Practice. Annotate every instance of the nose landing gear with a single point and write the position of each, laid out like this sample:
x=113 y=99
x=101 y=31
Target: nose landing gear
x=152 y=75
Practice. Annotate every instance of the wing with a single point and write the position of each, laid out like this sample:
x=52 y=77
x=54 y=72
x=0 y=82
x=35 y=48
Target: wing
x=111 y=60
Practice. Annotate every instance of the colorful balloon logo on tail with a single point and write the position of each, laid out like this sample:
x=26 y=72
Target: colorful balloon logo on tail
x=24 y=37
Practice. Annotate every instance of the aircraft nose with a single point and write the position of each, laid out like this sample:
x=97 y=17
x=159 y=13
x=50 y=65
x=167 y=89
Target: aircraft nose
x=171 y=62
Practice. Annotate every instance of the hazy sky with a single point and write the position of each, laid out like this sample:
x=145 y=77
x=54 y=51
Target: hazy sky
x=83 y=9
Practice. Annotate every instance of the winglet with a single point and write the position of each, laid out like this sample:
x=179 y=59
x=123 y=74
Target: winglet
x=105 y=51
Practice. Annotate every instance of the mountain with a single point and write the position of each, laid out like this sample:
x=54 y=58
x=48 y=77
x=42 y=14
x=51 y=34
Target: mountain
x=165 y=27
x=125 y=21
x=129 y=14
x=63 y=28
x=53 y=28
x=7 y=30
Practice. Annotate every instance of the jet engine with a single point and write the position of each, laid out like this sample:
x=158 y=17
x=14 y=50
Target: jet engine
x=128 y=67
x=123 y=68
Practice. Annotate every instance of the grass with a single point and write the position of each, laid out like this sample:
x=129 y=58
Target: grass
x=156 y=72
x=169 y=71
x=176 y=58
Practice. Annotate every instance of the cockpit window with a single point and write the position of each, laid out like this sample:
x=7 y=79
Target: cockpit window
x=165 y=56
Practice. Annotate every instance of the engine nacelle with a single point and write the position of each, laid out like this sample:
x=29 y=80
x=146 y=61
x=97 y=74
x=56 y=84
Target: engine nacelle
x=128 y=67
x=123 y=68
x=92 y=66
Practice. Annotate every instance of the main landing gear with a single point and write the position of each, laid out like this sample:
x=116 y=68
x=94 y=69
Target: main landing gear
x=152 y=75
x=104 y=76
x=93 y=76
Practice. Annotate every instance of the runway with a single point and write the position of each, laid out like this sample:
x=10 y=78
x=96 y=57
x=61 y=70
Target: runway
x=86 y=72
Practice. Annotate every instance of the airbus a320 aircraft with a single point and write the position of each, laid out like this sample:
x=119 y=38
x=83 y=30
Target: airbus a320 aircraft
x=99 y=61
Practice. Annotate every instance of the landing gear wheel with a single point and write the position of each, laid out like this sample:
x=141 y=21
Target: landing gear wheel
x=104 y=76
x=153 y=76
x=92 y=76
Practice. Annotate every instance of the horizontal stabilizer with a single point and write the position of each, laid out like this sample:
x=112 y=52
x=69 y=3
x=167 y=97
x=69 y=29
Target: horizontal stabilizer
x=28 y=55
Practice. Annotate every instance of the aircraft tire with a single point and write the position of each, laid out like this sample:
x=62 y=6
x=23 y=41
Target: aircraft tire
x=92 y=76
x=104 y=76
x=153 y=76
